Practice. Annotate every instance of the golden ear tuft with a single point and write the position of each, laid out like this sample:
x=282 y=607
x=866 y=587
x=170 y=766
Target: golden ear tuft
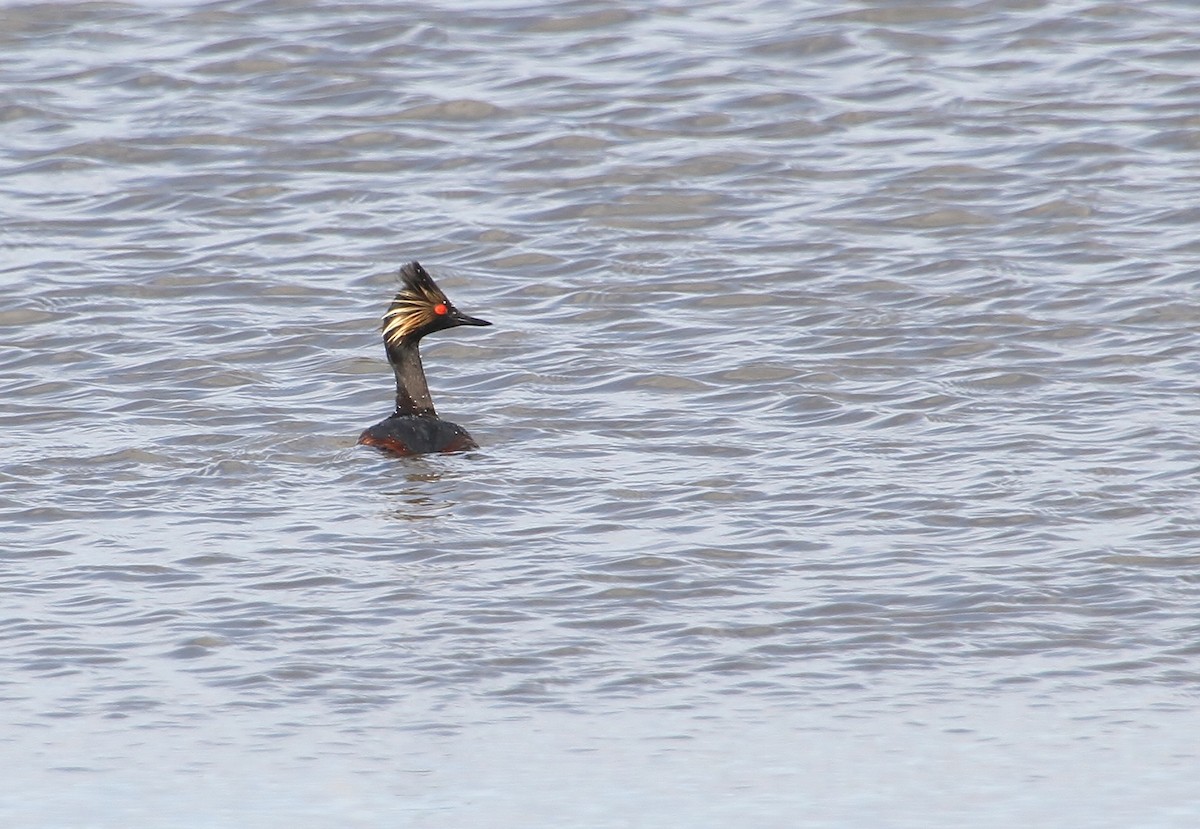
x=415 y=306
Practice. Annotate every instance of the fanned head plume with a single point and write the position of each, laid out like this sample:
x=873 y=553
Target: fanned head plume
x=420 y=308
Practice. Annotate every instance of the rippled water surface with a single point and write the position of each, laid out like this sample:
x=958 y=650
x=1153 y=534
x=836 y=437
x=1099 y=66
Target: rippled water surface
x=838 y=424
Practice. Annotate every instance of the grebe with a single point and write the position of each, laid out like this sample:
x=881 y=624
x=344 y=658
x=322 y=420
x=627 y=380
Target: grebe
x=419 y=308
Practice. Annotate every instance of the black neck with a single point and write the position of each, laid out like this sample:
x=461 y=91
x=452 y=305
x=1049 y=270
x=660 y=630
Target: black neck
x=412 y=392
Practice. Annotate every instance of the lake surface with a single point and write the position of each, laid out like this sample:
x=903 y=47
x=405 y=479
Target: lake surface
x=838 y=424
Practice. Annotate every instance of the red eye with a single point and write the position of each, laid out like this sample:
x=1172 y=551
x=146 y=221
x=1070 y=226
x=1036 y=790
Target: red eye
x=439 y=309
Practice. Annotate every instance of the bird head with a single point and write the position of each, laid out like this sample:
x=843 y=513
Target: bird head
x=420 y=308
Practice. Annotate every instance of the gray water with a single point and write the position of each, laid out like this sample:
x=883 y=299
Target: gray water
x=838 y=424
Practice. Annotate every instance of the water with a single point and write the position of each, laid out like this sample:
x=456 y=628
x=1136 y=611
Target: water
x=838 y=421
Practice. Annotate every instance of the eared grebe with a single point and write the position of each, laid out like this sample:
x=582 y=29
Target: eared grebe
x=419 y=308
